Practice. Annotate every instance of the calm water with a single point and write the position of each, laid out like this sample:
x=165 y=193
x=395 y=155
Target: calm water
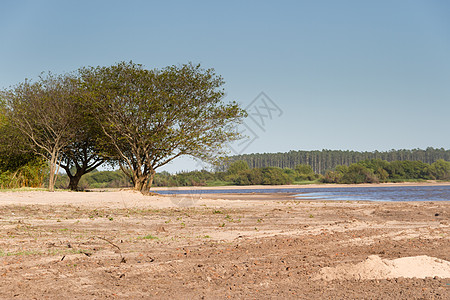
x=400 y=193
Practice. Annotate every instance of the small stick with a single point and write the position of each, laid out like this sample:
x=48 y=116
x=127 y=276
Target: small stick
x=123 y=260
x=106 y=240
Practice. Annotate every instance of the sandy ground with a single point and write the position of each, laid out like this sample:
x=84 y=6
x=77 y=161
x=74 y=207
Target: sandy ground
x=121 y=244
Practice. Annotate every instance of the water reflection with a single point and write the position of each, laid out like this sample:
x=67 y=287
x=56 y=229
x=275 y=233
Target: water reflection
x=391 y=193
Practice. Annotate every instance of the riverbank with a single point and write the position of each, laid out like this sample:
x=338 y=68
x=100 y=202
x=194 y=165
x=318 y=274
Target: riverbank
x=303 y=186
x=122 y=244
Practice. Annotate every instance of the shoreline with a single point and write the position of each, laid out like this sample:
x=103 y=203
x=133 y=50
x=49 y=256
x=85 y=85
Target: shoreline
x=302 y=186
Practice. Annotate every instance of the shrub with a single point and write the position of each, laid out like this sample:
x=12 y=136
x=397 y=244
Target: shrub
x=31 y=174
x=358 y=174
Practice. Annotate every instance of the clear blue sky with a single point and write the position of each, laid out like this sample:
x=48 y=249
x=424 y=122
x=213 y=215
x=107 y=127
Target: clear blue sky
x=358 y=75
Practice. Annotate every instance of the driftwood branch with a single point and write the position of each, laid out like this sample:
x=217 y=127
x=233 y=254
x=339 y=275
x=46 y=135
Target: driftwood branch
x=123 y=260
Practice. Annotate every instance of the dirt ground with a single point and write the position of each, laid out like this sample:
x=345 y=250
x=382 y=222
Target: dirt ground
x=113 y=245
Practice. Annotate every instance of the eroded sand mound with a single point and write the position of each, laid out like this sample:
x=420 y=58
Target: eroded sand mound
x=376 y=268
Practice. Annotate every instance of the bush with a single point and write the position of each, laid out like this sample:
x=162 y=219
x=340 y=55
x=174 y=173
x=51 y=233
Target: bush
x=358 y=174
x=31 y=174
x=275 y=176
x=262 y=176
x=332 y=177
x=248 y=177
x=440 y=170
x=237 y=167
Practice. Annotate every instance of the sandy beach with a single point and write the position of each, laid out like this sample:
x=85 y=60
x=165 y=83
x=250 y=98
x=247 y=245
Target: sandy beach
x=121 y=244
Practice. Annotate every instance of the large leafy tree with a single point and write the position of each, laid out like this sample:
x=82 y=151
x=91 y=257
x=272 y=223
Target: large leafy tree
x=151 y=117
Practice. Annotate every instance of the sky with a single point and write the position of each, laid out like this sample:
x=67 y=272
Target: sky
x=341 y=75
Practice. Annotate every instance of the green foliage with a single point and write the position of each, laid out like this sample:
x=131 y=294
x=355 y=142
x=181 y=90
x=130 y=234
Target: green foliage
x=151 y=117
x=304 y=169
x=248 y=177
x=440 y=170
x=275 y=176
x=332 y=177
x=321 y=161
x=148 y=237
x=368 y=171
x=45 y=114
x=14 y=153
x=19 y=167
x=376 y=170
x=262 y=176
x=359 y=174
x=32 y=174
x=238 y=166
x=408 y=170
x=193 y=178
x=304 y=173
x=141 y=119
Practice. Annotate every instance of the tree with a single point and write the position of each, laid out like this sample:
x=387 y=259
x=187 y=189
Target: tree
x=151 y=117
x=13 y=152
x=82 y=155
x=275 y=176
x=440 y=169
x=237 y=167
x=304 y=169
x=378 y=166
x=304 y=172
x=79 y=158
x=45 y=113
x=358 y=174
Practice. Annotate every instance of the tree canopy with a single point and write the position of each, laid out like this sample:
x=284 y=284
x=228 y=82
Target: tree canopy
x=151 y=117
x=138 y=118
x=44 y=113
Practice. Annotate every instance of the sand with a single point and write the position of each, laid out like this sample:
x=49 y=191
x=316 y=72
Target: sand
x=121 y=244
x=376 y=268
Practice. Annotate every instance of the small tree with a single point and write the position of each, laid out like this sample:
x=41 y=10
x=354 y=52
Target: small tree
x=440 y=169
x=44 y=112
x=304 y=169
x=237 y=167
x=304 y=172
x=359 y=174
x=151 y=117
x=14 y=152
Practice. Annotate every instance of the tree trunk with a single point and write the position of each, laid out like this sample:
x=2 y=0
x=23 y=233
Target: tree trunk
x=51 y=180
x=139 y=183
x=73 y=183
x=52 y=175
x=149 y=183
x=144 y=182
x=54 y=163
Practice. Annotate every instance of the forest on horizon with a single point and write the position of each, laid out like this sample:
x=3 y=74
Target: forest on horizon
x=324 y=160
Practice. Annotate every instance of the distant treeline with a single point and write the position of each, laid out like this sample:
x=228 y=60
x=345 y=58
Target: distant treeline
x=239 y=173
x=366 y=171
x=324 y=160
x=377 y=170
